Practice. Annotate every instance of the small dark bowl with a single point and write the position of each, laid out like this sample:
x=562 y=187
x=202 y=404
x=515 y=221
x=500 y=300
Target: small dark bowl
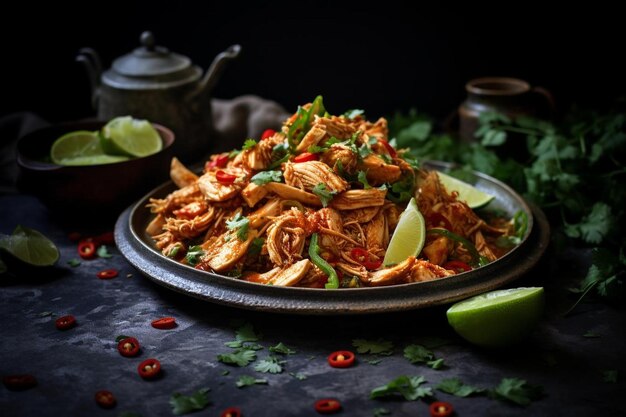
x=85 y=191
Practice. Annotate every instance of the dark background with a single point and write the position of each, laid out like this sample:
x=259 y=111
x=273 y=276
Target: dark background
x=382 y=58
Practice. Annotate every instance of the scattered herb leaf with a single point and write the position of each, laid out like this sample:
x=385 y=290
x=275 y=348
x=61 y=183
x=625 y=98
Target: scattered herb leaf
x=182 y=404
x=418 y=354
x=247 y=380
x=270 y=365
x=378 y=346
x=73 y=262
x=323 y=193
x=454 y=386
x=282 y=349
x=103 y=252
x=517 y=391
x=407 y=386
x=263 y=177
x=240 y=357
x=299 y=376
x=240 y=224
x=379 y=412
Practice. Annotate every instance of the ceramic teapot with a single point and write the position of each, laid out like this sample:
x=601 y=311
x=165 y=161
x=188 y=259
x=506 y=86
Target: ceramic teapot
x=161 y=86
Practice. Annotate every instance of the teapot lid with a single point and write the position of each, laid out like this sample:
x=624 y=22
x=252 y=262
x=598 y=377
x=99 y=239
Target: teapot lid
x=151 y=66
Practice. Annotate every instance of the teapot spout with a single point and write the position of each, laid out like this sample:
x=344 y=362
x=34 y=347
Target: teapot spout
x=93 y=65
x=215 y=70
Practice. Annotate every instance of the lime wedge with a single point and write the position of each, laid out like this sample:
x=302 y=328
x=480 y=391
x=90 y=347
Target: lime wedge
x=94 y=160
x=72 y=145
x=132 y=137
x=498 y=318
x=30 y=246
x=467 y=192
x=408 y=238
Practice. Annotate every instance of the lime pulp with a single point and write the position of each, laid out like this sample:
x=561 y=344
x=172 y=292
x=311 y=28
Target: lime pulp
x=474 y=197
x=408 y=238
x=132 y=137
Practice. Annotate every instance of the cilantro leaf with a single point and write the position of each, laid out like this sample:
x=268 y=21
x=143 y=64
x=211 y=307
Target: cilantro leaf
x=194 y=254
x=379 y=412
x=256 y=246
x=454 y=386
x=436 y=364
x=73 y=262
x=246 y=333
x=282 y=349
x=240 y=224
x=378 y=346
x=362 y=177
x=323 y=193
x=352 y=113
x=270 y=365
x=299 y=376
x=418 y=354
x=609 y=375
x=240 y=357
x=408 y=387
x=517 y=391
x=103 y=252
x=248 y=144
x=263 y=177
x=594 y=226
x=591 y=334
x=247 y=380
x=374 y=362
x=182 y=404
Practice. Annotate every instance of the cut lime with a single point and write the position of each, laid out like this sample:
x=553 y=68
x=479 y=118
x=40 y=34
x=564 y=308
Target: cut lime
x=497 y=318
x=94 y=160
x=132 y=137
x=72 y=145
x=30 y=246
x=467 y=192
x=408 y=238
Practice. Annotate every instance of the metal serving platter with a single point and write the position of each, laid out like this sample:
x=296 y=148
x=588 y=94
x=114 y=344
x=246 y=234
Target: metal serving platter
x=139 y=250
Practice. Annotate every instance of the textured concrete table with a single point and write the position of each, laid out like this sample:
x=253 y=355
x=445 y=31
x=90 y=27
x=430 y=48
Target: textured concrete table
x=72 y=365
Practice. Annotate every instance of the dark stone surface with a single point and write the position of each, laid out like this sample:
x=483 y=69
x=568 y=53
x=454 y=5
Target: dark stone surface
x=72 y=365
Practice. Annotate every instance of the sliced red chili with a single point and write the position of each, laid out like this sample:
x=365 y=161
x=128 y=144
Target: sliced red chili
x=439 y=220
x=392 y=152
x=149 y=369
x=341 y=359
x=87 y=249
x=457 y=266
x=225 y=178
x=363 y=257
x=19 y=382
x=65 y=322
x=219 y=161
x=305 y=157
x=105 y=399
x=128 y=347
x=106 y=238
x=231 y=412
x=441 y=409
x=327 y=406
x=108 y=273
x=164 y=323
x=268 y=133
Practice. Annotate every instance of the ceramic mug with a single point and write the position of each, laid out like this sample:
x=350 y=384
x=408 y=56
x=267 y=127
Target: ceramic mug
x=510 y=96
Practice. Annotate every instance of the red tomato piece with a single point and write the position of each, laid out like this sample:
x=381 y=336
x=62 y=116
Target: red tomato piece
x=128 y=347
x=363 y=257
x=105 y=399
x=341 y=359
x=87 y=249
x=327 y=406
x=149 y=369
x=164 y=323
x=441 y=409
x=457 y=266
x=65 y=322
x=225 y=178
x=305 y=157
x=19 y=382
x=392 y=152
x=268 y=133
x=231 y=412
x=108 y=273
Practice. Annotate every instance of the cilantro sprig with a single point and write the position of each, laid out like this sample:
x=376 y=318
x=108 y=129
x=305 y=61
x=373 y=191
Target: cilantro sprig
x=240 y=224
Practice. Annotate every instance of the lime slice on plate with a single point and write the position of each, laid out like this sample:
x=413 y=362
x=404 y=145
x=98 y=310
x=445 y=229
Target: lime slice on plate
x=467 y=192
x=72 y=145
x=498 y=318
x=408 y=238
x=132 y=137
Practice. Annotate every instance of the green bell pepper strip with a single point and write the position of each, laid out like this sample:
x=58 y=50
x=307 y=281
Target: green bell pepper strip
x=302 y=123
x=477 y=260
x=333 y=279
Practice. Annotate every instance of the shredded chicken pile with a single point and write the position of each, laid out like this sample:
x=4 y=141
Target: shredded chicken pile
x=251 y=213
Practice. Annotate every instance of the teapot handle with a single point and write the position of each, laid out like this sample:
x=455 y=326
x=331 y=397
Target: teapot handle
x=91 y=61
x=215 y=70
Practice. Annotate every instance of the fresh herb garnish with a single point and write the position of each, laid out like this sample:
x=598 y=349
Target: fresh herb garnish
x=264 y=177
x=248 y=144
x=103 y=252
x=282 y=349
x=240 y=357
x=362 y=177
x=323 y=193
x=379 y=412
x=182 y=404
x=271 y=365
x=193 y=255
x=73 y=262
x=247 y=380
x=406 y=386
x=454 y=386
x=377 y=347
x=299 y=376
x=517 y=391
x=240 y=224
x=352 y=113
x=256 y=246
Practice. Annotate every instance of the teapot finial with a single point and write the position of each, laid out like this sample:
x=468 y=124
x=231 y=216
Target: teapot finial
x=147 y=40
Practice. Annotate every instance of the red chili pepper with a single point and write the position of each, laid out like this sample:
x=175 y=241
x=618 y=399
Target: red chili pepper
x=268 y=133
x=457 y=266
x=341 y=359
x=128 y=347
x=327 y=406
x=149 y=369
x=219 y=161
x=105 y=399
x=441 y=409
x=231 y=412
x=392 y=152
x=19 y=382
x=164 y=323
x=108 y=273
x=106 y=238
x=65 y=322
x=364 y=258
x=305 y=157
x=87 y=249
x=439 y=220
x=225 y=178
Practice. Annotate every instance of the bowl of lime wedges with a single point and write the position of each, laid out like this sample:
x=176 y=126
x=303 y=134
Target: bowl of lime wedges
x=87 y=168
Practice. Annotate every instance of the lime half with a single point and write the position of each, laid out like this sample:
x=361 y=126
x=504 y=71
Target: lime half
x=30 y=246
x=81 y=143
x=408 y=238
x=498 y=318
x=132 y=137
x=467 y=192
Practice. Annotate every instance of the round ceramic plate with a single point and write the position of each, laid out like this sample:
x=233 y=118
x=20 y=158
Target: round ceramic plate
x=139 y=249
